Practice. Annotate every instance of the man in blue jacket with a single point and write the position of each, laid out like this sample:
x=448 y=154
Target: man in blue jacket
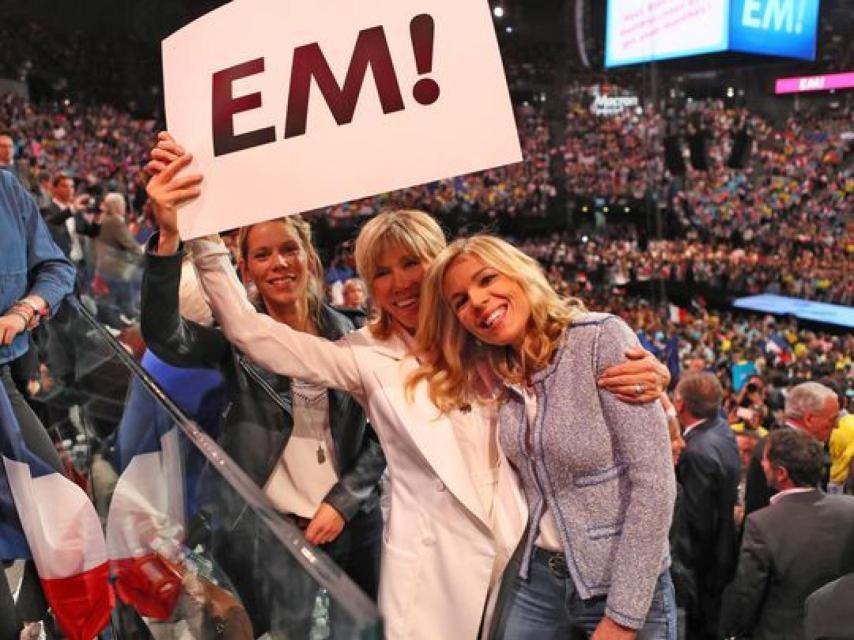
x=35 y=276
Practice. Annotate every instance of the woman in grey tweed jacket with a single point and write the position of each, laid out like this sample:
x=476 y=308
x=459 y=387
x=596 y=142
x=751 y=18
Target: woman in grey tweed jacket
x=597 y=472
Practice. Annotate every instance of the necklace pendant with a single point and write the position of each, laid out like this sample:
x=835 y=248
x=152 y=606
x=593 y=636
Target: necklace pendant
x=321 y=454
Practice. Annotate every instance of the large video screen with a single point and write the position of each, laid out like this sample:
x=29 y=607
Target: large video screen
x=646 y=30
x=784 y=28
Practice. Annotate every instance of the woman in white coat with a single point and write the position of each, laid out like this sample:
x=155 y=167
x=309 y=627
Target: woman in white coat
x=456 y=512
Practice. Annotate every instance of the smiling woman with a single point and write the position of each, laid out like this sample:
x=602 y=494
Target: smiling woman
x=392 y=254
x=477 y=303
x=307 y=446
x=596 y=472
x=279 y=258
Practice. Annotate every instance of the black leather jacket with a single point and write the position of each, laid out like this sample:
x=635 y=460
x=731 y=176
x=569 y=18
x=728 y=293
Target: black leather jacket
x=259 y=419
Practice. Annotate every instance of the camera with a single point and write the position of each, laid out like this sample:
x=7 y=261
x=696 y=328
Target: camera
x=752 y=387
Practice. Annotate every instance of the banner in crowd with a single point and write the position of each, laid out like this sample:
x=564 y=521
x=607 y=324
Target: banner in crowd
x=292 y=106
x=49 y=519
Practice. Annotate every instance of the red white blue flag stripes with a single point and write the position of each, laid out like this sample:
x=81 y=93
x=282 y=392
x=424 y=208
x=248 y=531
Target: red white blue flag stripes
x=49 y=519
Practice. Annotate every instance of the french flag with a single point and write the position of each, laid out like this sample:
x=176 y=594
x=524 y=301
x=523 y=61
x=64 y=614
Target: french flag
x=146 y=521
x=47 y=518
x=677 y=314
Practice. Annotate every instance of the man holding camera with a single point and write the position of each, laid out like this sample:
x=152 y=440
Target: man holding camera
x=66 y=220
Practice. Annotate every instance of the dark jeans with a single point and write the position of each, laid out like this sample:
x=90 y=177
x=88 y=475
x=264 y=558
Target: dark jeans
x=356 y=551
x=31 y=601
x=547 y=606
x=121 y=297
x=10 y=625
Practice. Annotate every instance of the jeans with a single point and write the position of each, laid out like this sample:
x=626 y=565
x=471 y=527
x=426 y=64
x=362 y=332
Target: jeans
x=547 y=606
x=290 y=594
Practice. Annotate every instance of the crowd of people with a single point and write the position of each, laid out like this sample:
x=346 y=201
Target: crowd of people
x=529 y=66
x=103 y=148
x=609 y=155
x=84 y=67
x=520 y=190
x=803 y=268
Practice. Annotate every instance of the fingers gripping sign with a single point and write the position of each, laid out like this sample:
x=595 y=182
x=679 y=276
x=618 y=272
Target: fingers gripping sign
x=169 y=190
x=165 y=152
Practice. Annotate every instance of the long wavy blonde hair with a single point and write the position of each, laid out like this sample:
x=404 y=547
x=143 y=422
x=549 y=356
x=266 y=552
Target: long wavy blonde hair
x=414 y=231
x=450 y=355
x=314 y=285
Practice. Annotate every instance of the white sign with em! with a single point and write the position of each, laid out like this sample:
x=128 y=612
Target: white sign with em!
x=292 y=105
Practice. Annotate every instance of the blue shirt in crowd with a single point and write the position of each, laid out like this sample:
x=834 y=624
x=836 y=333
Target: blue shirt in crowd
x=30 y=262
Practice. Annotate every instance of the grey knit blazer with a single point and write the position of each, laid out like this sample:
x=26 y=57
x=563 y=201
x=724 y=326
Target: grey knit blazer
x=603 y=468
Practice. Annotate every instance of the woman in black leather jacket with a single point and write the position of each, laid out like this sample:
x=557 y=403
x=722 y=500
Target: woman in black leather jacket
x=308 y=448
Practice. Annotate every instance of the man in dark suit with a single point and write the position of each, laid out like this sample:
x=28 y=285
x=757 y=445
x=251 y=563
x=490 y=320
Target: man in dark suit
x=708 y=472
x=828 y=611
x=810 y=407
x=802 y=541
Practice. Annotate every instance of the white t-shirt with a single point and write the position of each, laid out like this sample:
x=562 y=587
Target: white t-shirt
x=549 y=537
x=305 y=472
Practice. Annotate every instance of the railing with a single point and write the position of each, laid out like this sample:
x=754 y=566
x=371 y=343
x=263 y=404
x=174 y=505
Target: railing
x=196 y=549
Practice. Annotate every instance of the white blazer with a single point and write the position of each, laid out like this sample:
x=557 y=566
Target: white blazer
x=439 y=550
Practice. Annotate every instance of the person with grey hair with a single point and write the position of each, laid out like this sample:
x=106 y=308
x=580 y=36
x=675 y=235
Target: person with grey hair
x=708 y=472
x=810 y=407
x=801 y=541
x=118 y=257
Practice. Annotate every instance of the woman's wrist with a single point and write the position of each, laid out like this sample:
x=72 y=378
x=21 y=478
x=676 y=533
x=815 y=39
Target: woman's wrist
x=168 y=242
x=17 y=312
x=34 y=304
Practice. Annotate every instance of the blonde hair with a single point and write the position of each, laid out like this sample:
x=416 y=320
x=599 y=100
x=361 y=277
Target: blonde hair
x=302 y=230
x=414 y=231
x=449 y=354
